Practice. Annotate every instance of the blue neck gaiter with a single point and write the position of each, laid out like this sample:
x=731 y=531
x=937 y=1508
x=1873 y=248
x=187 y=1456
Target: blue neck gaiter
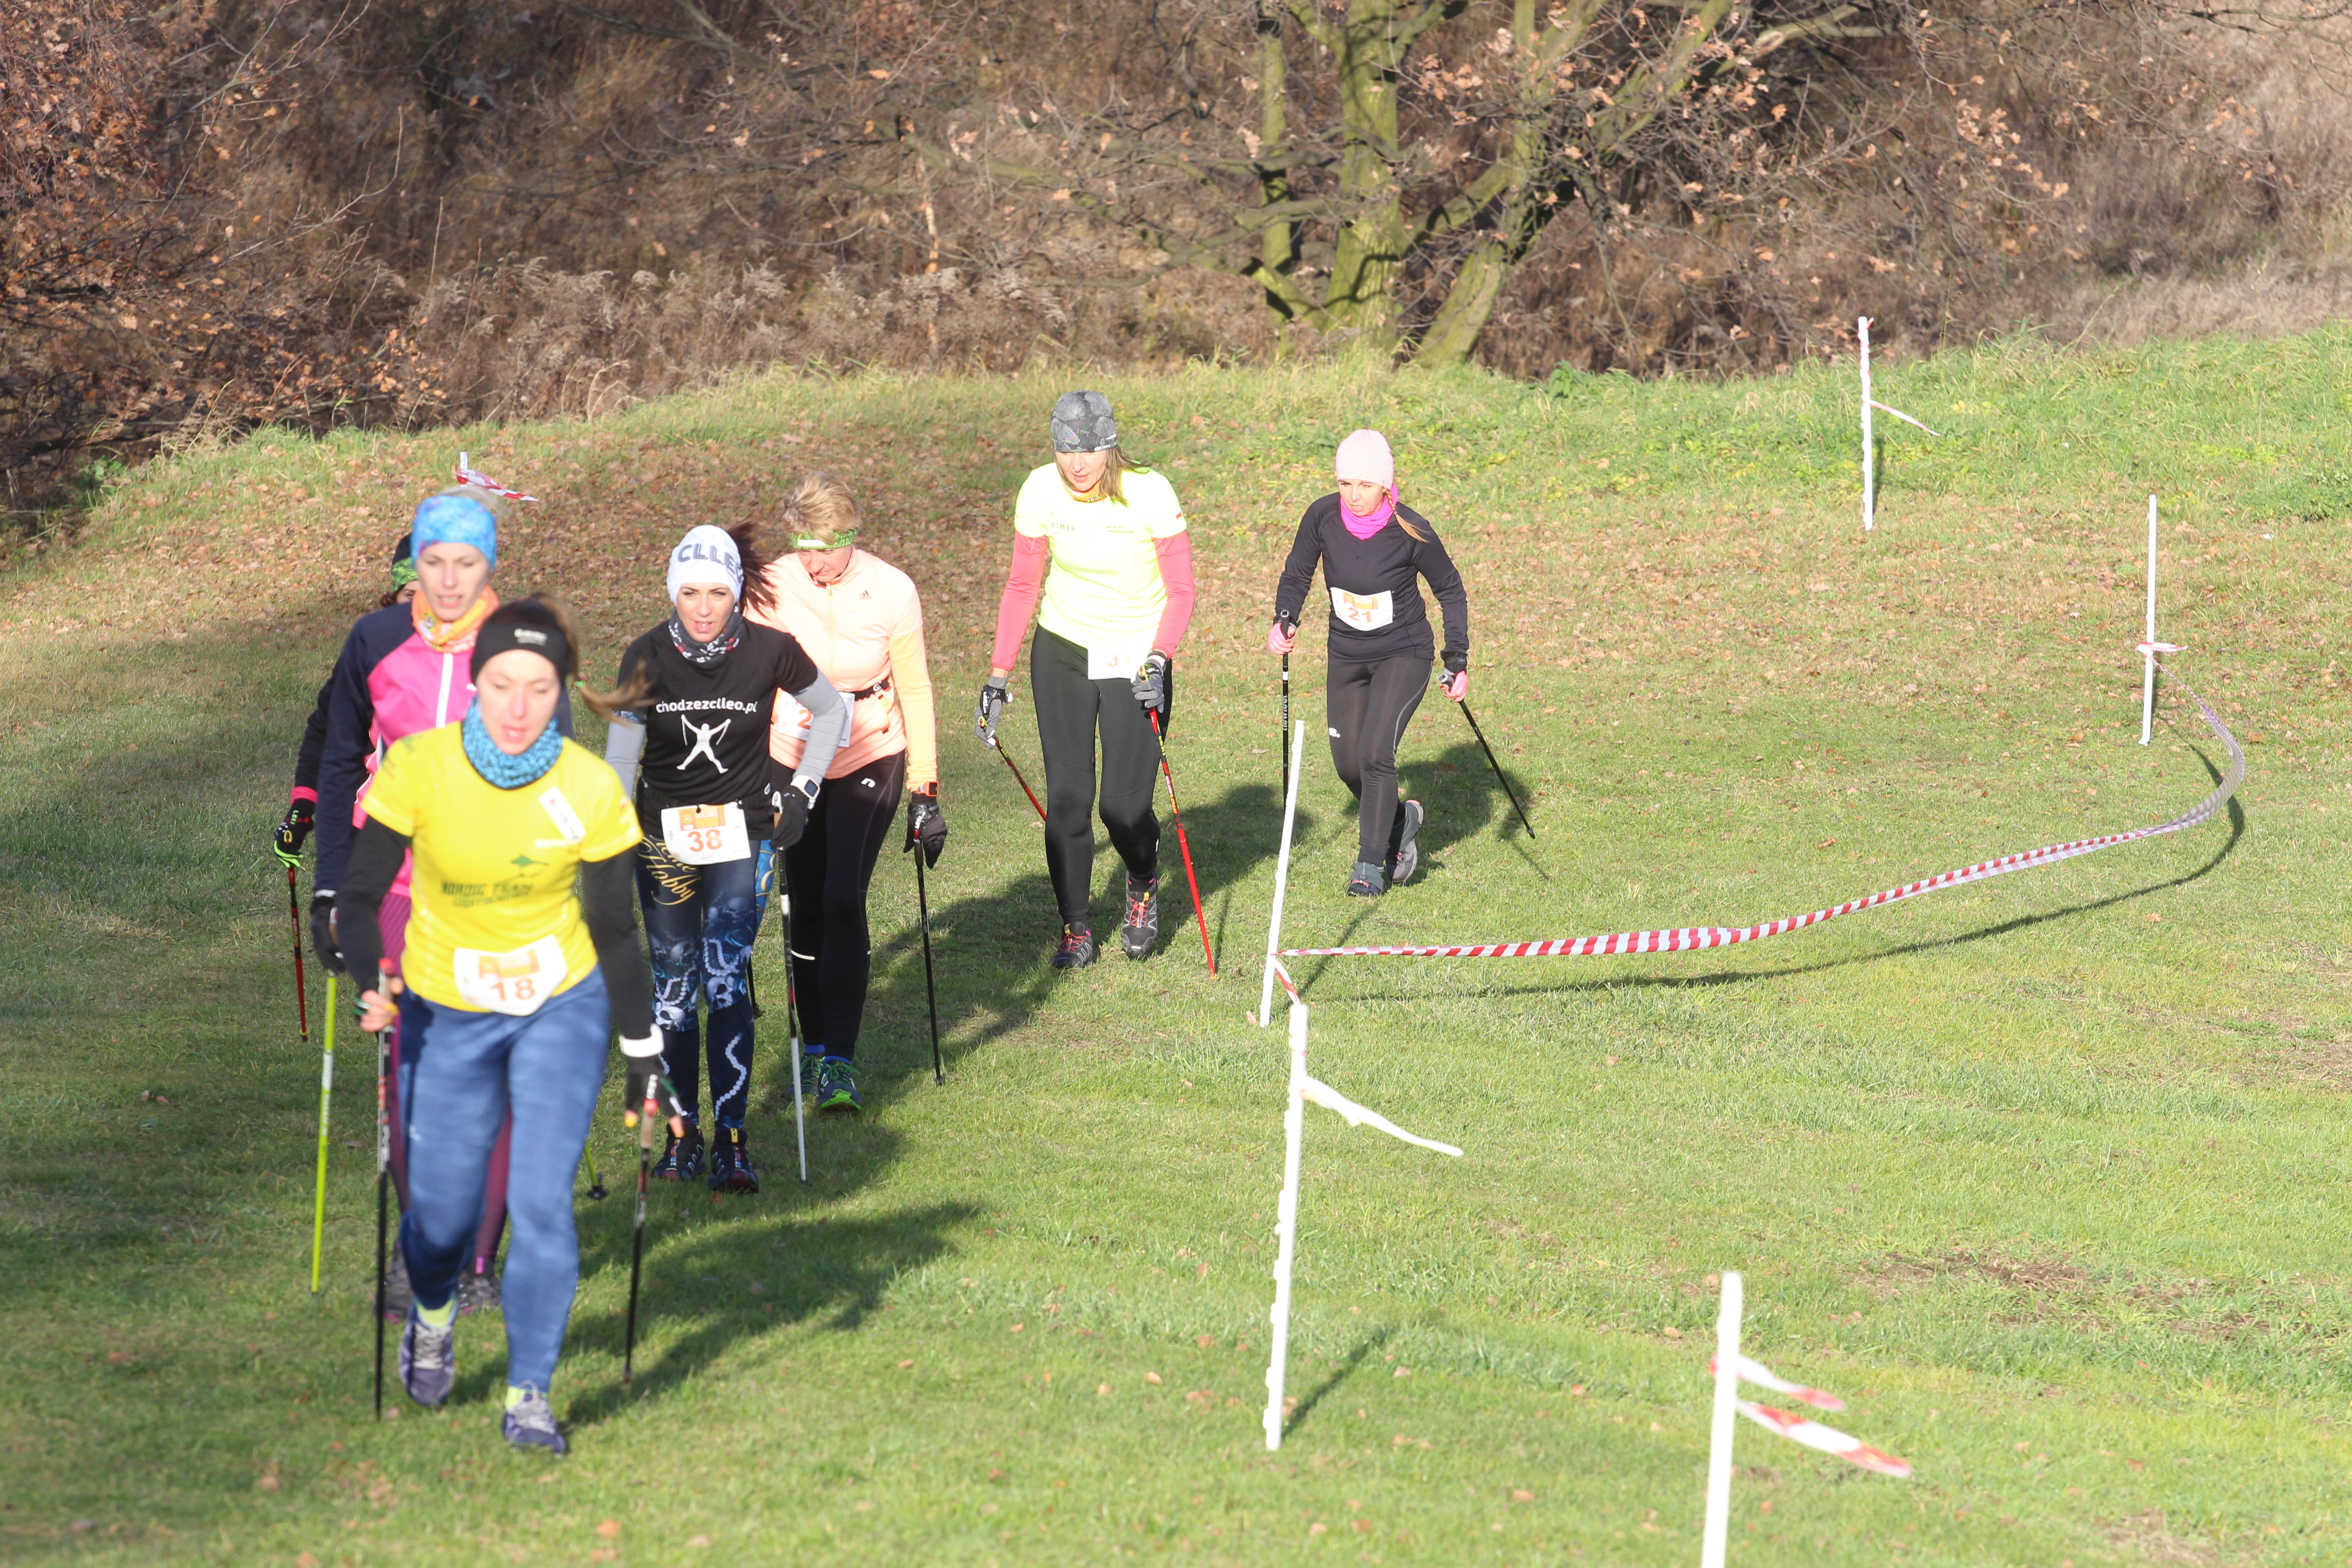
x=500 y=769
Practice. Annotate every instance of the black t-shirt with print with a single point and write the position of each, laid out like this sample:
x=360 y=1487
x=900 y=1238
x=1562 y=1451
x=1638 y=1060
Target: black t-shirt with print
x=1376 y=607
x=707 y=726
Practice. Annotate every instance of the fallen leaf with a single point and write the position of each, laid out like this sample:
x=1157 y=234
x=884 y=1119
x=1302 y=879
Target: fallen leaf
x=1152 y=1378
x=610 y=1529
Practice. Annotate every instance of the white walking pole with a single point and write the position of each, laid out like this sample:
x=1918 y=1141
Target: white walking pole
x=1296 y=741
x=1294 y=1132
x=1719 y=1429
x=2147 y=668
x=1869 y=457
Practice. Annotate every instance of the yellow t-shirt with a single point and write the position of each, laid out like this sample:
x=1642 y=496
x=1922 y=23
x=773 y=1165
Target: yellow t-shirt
x=1103 y=589
x=495 y=869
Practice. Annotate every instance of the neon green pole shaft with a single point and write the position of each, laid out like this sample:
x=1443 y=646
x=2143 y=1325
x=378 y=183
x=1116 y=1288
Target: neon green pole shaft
x=326 y=1103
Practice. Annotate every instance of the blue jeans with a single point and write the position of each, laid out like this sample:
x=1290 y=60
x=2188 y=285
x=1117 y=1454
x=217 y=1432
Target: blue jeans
x=700 y=922
x=469 y=1070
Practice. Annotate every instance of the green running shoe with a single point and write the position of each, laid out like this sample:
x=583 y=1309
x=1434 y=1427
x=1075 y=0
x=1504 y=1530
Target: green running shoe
x=837 y=1087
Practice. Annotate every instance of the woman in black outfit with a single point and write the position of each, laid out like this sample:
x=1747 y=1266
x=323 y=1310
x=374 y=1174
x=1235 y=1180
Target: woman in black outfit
x=1373 y=553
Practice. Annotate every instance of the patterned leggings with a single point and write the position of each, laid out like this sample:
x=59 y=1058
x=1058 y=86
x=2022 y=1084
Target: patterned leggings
x=701 y=922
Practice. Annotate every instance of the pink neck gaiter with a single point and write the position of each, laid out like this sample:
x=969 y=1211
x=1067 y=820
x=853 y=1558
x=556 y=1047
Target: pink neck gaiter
x=1365 y=526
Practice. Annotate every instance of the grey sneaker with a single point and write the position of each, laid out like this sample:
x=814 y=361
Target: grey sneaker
x=1140 y=930
x=531 y=1424
x=476 y=1291
x=1366 y=882
x=428 y=1359
x=1406 y=860
x=1077 y=949
x=837 y=1086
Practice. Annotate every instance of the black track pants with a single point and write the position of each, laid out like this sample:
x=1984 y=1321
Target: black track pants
x=1070 y=710
x=827 y=875
x=1370 y=705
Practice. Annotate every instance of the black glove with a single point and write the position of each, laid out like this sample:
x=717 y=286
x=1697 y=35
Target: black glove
x=291 y=833
x=1151 y=683
x=993 y=699
x=322 y=932
x=644 y=1078
x=925 y=826
x=791 y=818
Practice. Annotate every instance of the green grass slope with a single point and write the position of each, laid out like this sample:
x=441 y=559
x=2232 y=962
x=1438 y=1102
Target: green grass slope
x=2044 y=1176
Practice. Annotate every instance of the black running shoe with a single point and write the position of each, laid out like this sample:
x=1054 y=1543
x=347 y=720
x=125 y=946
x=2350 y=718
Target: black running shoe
x=398 y=1297
x=476 y=1291
x=1366 y=882
x=681 y=1159
x=1141 y=929
x=1077 y=949
x=1406 y=860
x=731 y=1164
x=428 y=1359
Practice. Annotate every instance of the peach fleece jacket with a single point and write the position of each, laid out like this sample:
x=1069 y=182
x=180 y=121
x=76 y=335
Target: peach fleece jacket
x=863 y=630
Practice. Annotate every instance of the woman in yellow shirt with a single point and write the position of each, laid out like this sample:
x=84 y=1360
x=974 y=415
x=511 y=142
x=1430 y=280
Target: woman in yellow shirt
x=862 y=621
x=1100 y=553
x=522 y=954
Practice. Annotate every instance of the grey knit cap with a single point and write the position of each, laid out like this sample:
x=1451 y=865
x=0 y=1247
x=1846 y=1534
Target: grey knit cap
x=1082 y=423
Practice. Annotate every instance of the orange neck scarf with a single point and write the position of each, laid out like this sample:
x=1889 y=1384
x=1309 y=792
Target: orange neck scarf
x=443 y=637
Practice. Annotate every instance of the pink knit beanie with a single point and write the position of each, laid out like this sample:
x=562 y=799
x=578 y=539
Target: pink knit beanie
x=1365 y=456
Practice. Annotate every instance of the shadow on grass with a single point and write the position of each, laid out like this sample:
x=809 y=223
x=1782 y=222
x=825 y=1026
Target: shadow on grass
x=1742 y=977
x=1339 y=1374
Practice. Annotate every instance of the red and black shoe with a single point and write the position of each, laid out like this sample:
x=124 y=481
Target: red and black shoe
x=1140 y=930
x=1077 y=949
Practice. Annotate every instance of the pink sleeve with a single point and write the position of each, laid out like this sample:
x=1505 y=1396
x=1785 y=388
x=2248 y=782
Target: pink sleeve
x=302 y=792
x=1176 y=574
x=1020 y=600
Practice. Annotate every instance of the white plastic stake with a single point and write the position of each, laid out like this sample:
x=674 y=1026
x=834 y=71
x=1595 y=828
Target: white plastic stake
x=1869 y=457
x=1296 y=741
x=1721 y=1428
x=2147 y=668
x=1294 y=1132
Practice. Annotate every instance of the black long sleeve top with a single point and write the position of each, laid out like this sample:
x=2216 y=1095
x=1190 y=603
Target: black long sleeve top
x=1375 y=586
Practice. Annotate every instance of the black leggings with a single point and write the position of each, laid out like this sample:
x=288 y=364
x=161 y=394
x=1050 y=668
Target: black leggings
x=1069 y=710
x=1370 y=705
x=825 y=875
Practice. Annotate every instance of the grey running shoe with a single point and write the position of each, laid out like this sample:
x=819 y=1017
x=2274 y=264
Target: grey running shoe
x=1366 y=882
x=531 y=1424
x=837 y=1086
x=1077 y=949
x=731 y=1164
x=681 y=1159
x=1406 y=860
x=428 y=1359
x=398 y=1297
x=476 y=1291
x=1140 y=930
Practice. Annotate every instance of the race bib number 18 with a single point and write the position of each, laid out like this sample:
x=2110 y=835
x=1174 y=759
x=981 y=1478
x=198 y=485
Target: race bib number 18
x=706 y=834
x=515 y=983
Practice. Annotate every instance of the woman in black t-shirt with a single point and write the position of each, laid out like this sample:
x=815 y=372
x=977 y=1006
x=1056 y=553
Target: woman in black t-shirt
x=699 y=692
x=1374 y=552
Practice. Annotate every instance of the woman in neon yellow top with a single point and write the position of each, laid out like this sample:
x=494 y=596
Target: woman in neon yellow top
x=522 y=954
x=1103 y=541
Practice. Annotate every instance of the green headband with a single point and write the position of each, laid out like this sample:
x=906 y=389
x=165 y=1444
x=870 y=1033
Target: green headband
x=404 y=573
x=841 y=536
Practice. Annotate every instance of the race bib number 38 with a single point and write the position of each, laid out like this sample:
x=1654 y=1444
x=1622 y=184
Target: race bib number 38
x=1363 y=611
x=706 y=834
x=515 y=983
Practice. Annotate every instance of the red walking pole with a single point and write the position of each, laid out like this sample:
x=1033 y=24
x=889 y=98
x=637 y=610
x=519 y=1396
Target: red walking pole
x=301 y=991
x=1183 y=843
x=1009 y=763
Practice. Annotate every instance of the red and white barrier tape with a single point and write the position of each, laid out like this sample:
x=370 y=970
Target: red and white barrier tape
x=481 y=481
x=1691 y=938
x=1828 y=1439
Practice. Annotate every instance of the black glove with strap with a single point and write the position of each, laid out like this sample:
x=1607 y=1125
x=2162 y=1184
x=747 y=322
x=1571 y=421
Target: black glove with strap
x=1152 y=680
x=322 y=932
x=645 y=1080
x=792 y=807
x=993 y=699
x=287 y=842
x=925 y=826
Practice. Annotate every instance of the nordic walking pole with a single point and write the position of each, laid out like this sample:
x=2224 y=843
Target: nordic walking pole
x=596 y=1193
x=383 y=1191
x=930 y=993
x=1286 y=737
x=1491 y=763
x=646 y=1114
x=326 y=1107
x=792 y=1034
x=301 y=989
x=1281 y=878
x=1009 y=763
x=1183 y=843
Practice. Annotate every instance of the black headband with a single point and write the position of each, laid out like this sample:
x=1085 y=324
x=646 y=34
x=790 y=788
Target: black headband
x=501 y=634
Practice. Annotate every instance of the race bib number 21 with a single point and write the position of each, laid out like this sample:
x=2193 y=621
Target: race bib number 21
x=1363 y=611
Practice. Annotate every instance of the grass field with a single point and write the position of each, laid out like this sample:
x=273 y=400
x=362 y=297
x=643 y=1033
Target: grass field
x=2045 y=1177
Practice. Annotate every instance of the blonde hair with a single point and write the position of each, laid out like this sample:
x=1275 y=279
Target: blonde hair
x=821 y=504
